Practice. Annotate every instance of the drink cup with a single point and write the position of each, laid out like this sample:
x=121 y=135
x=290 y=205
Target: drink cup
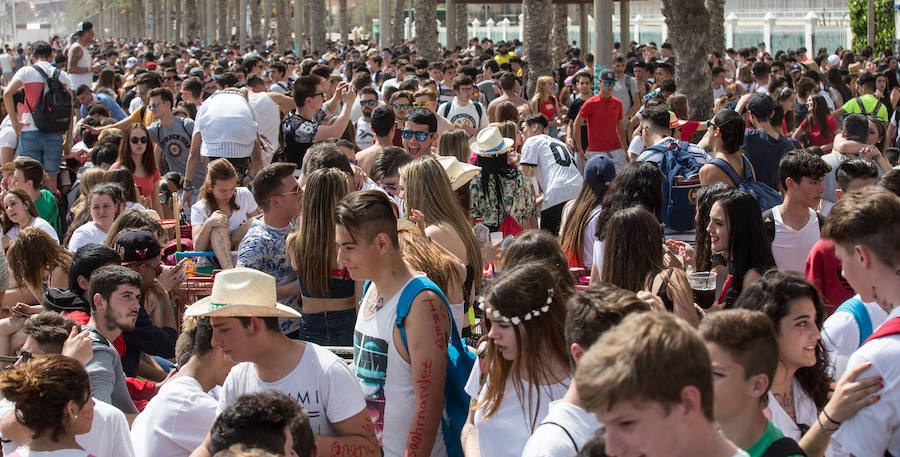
x=703 y=284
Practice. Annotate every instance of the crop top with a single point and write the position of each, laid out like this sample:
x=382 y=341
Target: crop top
x=339 y=286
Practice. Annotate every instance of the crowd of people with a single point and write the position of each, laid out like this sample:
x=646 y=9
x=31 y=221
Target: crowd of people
x=454 y=257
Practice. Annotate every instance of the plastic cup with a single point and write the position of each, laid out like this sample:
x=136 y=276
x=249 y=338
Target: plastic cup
x=703 y=284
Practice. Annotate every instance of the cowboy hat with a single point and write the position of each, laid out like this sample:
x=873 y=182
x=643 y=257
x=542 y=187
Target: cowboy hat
x=241 y=292
x=489 y=142
x=674 y=122
x=458 y=172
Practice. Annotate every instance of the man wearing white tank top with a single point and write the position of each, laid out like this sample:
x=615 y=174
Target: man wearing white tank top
x=80 y=67
x=404 y=389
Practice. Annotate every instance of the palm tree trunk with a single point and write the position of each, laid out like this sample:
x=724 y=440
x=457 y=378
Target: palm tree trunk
x=317 y=31
x=191 y=29
x=426 y=29
x=687 y=20
x=344 y=19
x=397 y=26
x=462 y=24
x=716 y=32
x=283 y=19
x=253 y=31
x=538 y=16
x=560 y=33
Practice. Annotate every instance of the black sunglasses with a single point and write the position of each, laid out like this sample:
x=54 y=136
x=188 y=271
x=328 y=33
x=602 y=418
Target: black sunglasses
x=136 y=140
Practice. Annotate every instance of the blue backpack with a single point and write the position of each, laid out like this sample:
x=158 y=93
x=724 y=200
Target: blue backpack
x=860 y=314
x=459 y=365
x=682 y=172
x=766 y=196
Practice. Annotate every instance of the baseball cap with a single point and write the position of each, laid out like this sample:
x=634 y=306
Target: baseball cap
x=608 y=76
x=834 y=60
x=83 y=27
x=760 y=104
x=598 y=170
x=131 y=62
x=795 y=67
x=137 y=246
x=151 y=65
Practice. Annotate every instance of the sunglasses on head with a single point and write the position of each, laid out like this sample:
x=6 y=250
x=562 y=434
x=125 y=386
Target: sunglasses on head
x=401 y=105
x=409 y=134
x=367 y=102
x=136 y=140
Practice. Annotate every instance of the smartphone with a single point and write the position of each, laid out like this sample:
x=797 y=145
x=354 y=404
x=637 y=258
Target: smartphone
x=20 y=312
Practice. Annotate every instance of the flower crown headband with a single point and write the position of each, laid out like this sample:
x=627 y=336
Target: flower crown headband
x=516 y=320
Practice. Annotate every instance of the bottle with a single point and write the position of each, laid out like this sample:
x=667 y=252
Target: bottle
x=482 y=233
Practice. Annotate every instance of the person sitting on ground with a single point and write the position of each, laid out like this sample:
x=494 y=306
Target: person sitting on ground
x=19 y=212
x=104 y=204
x=28 y=175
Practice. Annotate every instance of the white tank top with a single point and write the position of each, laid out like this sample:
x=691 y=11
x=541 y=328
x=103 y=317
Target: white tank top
x=386 y=378
x=77 y=79
x=267 y=116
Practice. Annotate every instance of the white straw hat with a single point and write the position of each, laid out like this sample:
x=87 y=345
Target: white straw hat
x=458 y=172
x=490 y=142
x=241 y=292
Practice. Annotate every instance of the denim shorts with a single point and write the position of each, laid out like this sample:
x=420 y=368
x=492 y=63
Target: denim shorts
x=46 y=148
x=330 y=328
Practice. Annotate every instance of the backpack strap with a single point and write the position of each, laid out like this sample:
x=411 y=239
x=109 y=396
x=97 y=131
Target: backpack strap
x=574 y=444
x=891 y=327
x=445 y=109
x=878 y=107
x=783 y=447
x=860 y=314
x=862 y=108
x=412 y=289
x=728 y=169
x=478 y=109
x=820 y=218
x=769 y=222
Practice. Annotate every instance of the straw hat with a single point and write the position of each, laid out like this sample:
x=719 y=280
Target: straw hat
x=674 y=122
x=490 y=142
x=241 y=292
x=459 y=173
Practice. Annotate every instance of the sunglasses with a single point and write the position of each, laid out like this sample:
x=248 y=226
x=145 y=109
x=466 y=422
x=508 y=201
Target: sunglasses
x=409 y=134
x=295 y=190
x=401 y=105
x=389 y=187
x=651 y=95
x=153 y=105
x=142 y=140
x=609 y=83
x=367 y=102
x=421 y=104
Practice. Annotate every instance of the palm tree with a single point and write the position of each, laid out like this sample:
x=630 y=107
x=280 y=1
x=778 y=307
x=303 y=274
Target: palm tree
x=426 y=29
x=688 y=22
x=397 y=27
x=317 y=29
x=537 y=39
x=344 y=19
x=560 y=34
x=462 y=24
x=191 y=28
x=255 y=11
x=283 y=19
x=716 y=31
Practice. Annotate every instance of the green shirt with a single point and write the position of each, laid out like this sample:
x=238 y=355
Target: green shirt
x=869 y=102
x=772 y=434
x=48 y=210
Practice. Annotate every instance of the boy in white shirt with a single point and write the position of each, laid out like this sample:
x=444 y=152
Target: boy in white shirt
x=796 y=223
x=567 y=426
x=462 y=111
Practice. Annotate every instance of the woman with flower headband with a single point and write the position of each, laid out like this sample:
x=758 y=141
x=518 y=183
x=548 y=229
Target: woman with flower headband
x=525 y=362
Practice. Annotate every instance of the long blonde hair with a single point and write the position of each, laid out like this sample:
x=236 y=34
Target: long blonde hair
x=422 y=254
x=428 y=190
x=539 y=94
x=33 y=255
x=455 y=143
x=90 y=178
x=311 y=246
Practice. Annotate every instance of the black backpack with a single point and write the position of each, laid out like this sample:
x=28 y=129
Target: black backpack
x=53 y=112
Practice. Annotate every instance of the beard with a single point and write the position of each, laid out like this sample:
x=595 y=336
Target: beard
x=125 y=325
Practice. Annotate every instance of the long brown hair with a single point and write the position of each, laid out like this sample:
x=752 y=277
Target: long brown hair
x=515 y=293
x=33 y=254
x=423 y=255
x=571 y=238
x=428 y=190
x=218 y=170
x=27 y=202
x=311 y=246
x=125 y=177
x=542 y=247
x=148 y=159
x=633 y=252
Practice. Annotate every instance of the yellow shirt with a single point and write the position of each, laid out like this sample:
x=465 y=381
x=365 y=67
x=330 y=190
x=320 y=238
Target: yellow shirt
x=148 y=119
x=503 y=58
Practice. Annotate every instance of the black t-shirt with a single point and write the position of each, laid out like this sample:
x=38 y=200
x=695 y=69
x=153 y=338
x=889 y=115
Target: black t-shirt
x=765 y=152
x=574 y=108
x=299 y=134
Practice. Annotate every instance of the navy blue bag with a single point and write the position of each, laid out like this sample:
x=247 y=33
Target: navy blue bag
x=682 y=173
x=766 y=196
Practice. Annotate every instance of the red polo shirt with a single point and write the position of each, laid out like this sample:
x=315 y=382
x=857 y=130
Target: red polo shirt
x=602 y=116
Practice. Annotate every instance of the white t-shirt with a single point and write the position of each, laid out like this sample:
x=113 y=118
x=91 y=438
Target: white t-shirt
x=365 y=136
x=6 y=61
x=175 y=421
x=840 y=332
x=36 y=222
x=268 y=116
x=557 y=173
x=876 y=428
x=8 y=137
x=34 y=88
x=244 y=200
x=806 y=413
x=588 y=236
x=598 y=256
x=109 y=436
x=791 y=247
x=467 y=115
x=322 y=383
x=551 y=439
x=636 y=147
x=86 y=234
x=504 y=434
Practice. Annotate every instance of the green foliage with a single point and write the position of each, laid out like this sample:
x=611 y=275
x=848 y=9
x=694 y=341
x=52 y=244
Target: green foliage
x=884 y=23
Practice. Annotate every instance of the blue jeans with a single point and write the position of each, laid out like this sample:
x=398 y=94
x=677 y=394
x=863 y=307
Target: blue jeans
x=330 y=328
x=46 y=148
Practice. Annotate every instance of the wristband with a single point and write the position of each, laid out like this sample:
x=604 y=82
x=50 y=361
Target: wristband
x=822 y=426
x=188 y=183
x=830 y=419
